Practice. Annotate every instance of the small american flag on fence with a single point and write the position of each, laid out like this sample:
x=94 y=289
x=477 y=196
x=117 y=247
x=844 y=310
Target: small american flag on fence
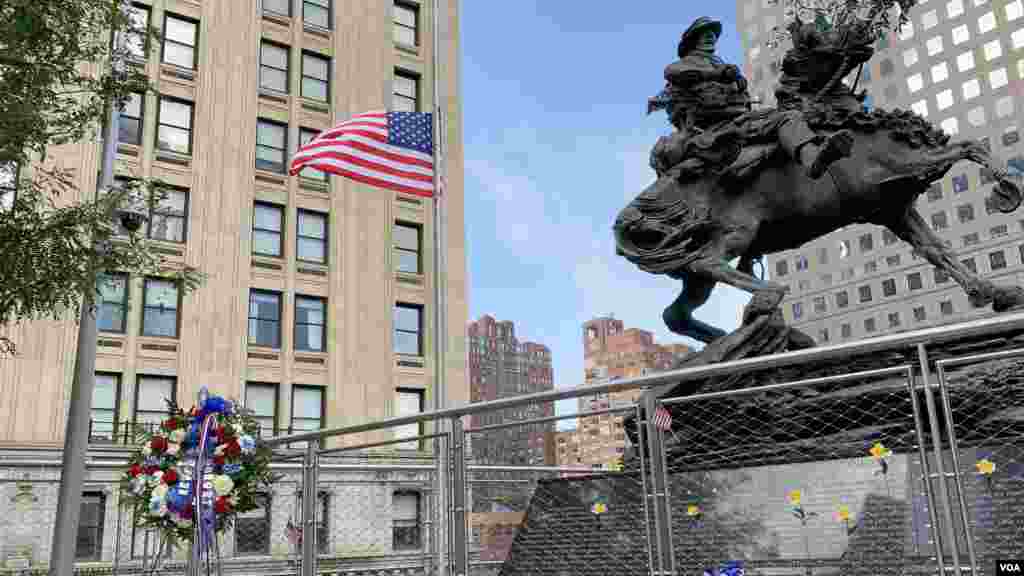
x=294 y=534
x=662 y=419
x=391 y=150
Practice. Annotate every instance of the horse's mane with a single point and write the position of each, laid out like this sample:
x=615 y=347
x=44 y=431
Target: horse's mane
x=902 y=125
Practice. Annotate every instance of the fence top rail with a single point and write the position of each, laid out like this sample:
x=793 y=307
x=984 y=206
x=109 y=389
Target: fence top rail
x=971 y=329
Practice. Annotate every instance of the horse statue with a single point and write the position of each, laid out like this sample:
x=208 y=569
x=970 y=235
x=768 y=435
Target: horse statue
x=732 y=187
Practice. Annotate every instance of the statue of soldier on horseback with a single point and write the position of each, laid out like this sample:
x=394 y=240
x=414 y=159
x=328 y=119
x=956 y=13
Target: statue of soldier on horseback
x=733 y=182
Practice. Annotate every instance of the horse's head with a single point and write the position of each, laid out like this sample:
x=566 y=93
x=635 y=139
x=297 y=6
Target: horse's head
x=821 y=56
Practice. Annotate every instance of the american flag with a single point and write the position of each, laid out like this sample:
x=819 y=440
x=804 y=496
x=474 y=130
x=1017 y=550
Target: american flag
x=391 y=150
x=662 y=419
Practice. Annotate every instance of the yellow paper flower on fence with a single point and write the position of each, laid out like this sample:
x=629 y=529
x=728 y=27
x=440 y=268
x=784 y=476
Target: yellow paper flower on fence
x=693 y=510
x=795 y=497
x=599 y=508
x=985 y=466
x=878 y=451
x=843 y=514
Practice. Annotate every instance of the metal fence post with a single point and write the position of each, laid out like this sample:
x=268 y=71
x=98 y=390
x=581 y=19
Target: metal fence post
x=665 y=561
x=460 y=559
x=309 y=506
x=933 y=421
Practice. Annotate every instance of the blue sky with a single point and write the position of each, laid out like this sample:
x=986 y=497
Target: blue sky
x=556 y=143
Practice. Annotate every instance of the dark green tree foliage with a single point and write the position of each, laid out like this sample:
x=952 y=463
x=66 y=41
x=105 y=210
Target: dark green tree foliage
x=57 y=83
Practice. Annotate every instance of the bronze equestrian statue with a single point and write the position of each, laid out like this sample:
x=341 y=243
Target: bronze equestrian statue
x=740 y=183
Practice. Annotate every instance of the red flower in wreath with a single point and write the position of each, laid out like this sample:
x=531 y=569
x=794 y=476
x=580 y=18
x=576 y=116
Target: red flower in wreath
x=218 y=460
x=170 y=476
x=169 y=425
x=135 y=470
x=221 y=505
x=150 y=470
x=158 y=444
x=187 y=511
x=233 y=450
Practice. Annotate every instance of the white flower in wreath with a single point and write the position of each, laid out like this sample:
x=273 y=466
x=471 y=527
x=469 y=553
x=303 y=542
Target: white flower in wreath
x=157 y=507
x=219 y=450
x=147 y=450
x=155 y=478
x=222 y=484
x=173 y=448
x=159 y=493
x=138 y=485
x=238 y=429
x=247 y=444
x=177 y=437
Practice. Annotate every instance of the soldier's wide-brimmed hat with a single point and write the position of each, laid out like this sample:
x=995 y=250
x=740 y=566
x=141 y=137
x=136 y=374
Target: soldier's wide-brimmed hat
x=699 y=26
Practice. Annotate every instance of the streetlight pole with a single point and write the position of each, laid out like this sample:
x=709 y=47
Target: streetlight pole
x=76 y=434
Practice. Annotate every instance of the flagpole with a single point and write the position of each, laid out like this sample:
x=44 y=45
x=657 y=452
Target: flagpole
x=441 y=495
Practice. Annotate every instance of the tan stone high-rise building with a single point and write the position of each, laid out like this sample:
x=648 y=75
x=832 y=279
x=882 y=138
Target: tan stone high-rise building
x=611 y=352
x=318 y=306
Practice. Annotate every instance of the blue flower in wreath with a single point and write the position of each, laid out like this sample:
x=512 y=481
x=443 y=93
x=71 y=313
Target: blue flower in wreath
x=247 y=444
x=177 y=499
x=232 y=469
x=215 y=404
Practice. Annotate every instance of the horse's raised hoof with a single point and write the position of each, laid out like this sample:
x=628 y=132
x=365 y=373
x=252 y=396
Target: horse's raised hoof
x=763 y=302
x=1008 y=298
x=1006 y=195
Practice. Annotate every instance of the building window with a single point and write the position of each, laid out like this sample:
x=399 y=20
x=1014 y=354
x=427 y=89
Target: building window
x=129 y=124
x=271 y=145
x=888 y=238
x=279 y=7
x=160 y=308
x=971 y=239
x=939 y=221
x=273 y=67
x=408 y=327
x=781 y=268
x=112 y=309
x=137 y=35
x=105 y=399
x=960 y=184
x=965 y=213
x=264 y=318
x=997 y=231
x=869 y=325
x=310 y=317
x=892 y=261
x=305 y=135
x=261 y=398
x=798 y=310
x=941 y=276
x=408 y=244
x=405 y=92
x=317 y=13
x=894 y=320
x=997 y=260
x=252 y=529
x=267 y=226
x=406 y=18
x=919 y=314
x=408 y=401
x=970 y=265
x=819 y=304
x=322 y=515
x=180 y=41
x=867 y=243
x=307 y=408
x=946 y=308
x=169 y=215
x=89 y=545
x=316 y=77
x=311 y=237
x=1010 y=137
x=174 y=126
x=846 y=330
x=934 y=192
x=151 y=396
x=914 y=281
x=870 y=267
x=406 y=520
x=842 y=299
x=801 y=263
x=865 y=293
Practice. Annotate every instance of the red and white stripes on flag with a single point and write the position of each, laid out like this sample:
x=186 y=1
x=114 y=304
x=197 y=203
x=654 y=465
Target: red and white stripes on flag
x=391 y=150
x=662 y=419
